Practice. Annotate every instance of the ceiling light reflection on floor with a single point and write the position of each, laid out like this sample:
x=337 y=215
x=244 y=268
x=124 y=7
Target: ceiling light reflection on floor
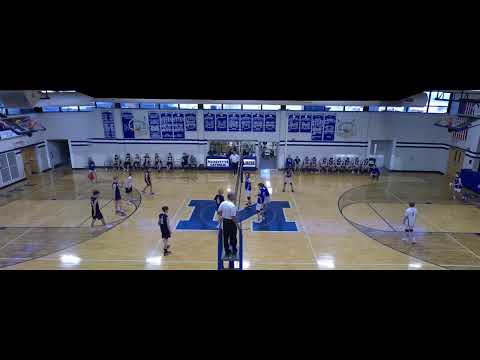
x=326 y=262
x=154 y=260
x=69 y=259
x=414 y=266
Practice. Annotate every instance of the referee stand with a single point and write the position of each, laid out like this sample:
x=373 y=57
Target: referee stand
x=233 y=263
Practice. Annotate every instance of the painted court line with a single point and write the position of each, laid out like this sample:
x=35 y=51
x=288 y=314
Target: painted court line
x=439 y=228
x=381 y=217
x=307 y=235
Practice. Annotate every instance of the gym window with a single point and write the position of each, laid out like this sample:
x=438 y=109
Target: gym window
x=314 y=108
x=294 y=107
x=333 y=108
x=438 y=102
x=104 y=105
x=212 y=106
x=46 y=109
x=86 y=107
x=271 y=107
x=69 y=108
x=126 y=105
x=169 y=106
x=148 y=106
x=188 y=106
x=251 y=107
x=232 y=106
x=396 y=108
x=374 y=108
x=353 y=108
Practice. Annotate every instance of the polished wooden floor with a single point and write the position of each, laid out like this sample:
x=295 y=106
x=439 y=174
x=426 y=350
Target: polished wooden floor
x=345 y=222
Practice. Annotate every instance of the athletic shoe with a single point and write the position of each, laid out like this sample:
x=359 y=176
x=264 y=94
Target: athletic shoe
x=108 y=226
x=293 y=190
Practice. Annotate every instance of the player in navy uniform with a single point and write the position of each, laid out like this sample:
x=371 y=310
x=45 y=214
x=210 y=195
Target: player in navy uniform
x=288 y=179
x=265 y=194
x=219 y=198
x=165 y=229
x=96 y=213
x=148 y=181
x=289 y=162
x=117 y=197
x=169 y=161
x=375 y=172
x=457 y=186
x=259 y=207
x=248 y=188
x=92 y=170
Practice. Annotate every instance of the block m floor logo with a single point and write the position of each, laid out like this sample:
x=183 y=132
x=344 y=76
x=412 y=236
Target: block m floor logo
x=203 y=215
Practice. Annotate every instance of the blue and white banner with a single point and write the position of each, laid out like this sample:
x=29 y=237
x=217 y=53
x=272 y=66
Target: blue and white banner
x=154 y=125
x=234 y=122
x=258 y=122
x=108 y=125
x=166 y=125
x=209 y=121
x=128 y=129
x=246 y=122
x=317 y=127
x=329 y=128
x=306 y=123
x=191 y=121
x=221 y=121
x=270 y=123
x=178 y=126
x=293 y=123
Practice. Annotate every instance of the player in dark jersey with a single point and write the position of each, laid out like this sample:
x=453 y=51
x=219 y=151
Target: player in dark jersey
x=96 y=213
x=288 y=179
x=148 y=181
x=117 y=197
x=375 y=172
x=289 y=162
x=219 y=198
x=164 y=224
x=92 y=170
x=265 y=194
x=248 y=188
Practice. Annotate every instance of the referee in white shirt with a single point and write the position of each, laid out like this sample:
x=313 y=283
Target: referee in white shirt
x=228 y=213
x=234 y=159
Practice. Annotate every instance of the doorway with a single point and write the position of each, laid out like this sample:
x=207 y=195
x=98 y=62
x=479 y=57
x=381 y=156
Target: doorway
x=455 y=161
x=30 y=161
x=59 y=153
x=382 y=151
x=268 y=152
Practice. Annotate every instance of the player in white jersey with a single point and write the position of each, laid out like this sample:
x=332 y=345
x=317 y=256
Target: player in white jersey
x=457 y=187
x=409 y=220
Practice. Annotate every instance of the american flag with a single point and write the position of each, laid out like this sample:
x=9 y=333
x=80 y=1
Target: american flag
x=466 y=108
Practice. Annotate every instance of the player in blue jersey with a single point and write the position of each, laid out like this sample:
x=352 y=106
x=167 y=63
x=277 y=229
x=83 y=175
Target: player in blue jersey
x=375 y=172
x=265 y=193
x=248 y=188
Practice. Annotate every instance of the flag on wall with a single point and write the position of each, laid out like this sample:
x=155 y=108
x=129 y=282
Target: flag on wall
x=461 y=135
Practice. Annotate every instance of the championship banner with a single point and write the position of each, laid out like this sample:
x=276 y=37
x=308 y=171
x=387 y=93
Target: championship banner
x=166 y=125
x=127 y=121
x=293 y=123
x=209 y=121
x=270 y=123
x=305 y=123
x=234 y=122
x=329 y=128
x=108 y=125
x=258 y=122
x=191 y=121
x=317 y=127
x=221 y=121
x=178 y=126
x=154 y=125
x=246 y=122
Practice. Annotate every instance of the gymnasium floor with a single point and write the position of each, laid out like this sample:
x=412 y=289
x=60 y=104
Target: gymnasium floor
x=345 y=222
